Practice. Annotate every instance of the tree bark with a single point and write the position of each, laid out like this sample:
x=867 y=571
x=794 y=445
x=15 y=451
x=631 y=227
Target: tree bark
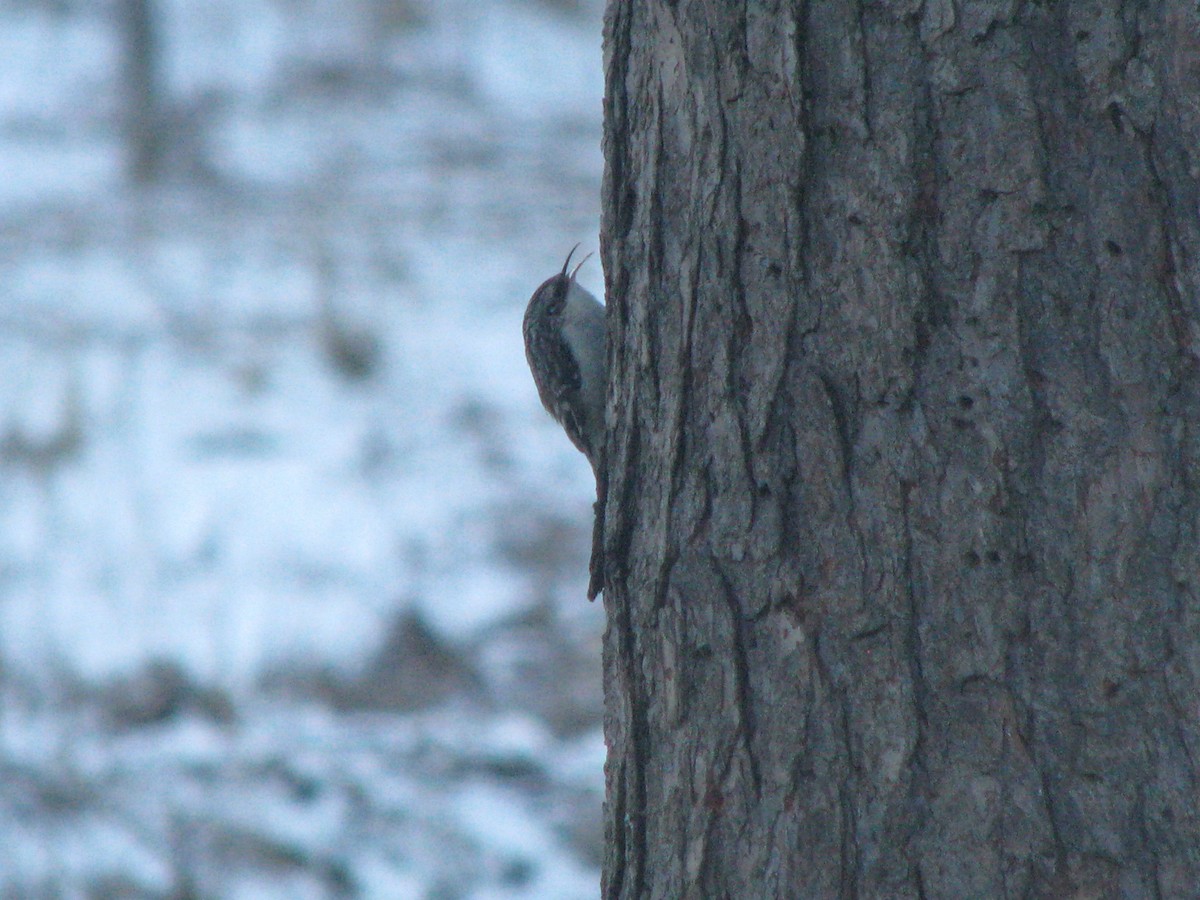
x=904 y=457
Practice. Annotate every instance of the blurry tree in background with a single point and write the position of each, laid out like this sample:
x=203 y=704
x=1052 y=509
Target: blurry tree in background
x=905 y=472
x=144 y=112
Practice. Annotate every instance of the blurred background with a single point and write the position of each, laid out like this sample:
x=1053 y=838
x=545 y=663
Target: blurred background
x=292 y=562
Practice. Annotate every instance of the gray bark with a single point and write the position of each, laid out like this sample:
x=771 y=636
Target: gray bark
x=904 y=471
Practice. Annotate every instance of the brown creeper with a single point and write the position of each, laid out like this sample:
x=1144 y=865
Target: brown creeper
x=565 y=346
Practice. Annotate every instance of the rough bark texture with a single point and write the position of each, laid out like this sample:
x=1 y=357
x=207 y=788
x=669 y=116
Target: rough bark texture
x=904 y=466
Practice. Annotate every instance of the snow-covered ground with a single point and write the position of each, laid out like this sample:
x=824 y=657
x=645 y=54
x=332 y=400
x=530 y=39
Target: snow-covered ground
x=292 y=563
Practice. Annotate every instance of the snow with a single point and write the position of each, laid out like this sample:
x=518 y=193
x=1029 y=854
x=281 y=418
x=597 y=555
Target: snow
x=254 y=416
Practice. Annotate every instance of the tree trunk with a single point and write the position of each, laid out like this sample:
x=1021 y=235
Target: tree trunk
x=144 y=116
x=904 y=470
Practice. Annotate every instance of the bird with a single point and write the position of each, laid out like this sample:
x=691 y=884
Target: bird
x=565 y=337
x=566 y=347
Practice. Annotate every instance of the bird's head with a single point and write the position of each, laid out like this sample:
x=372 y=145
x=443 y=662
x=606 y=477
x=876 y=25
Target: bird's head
x=550 y=298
